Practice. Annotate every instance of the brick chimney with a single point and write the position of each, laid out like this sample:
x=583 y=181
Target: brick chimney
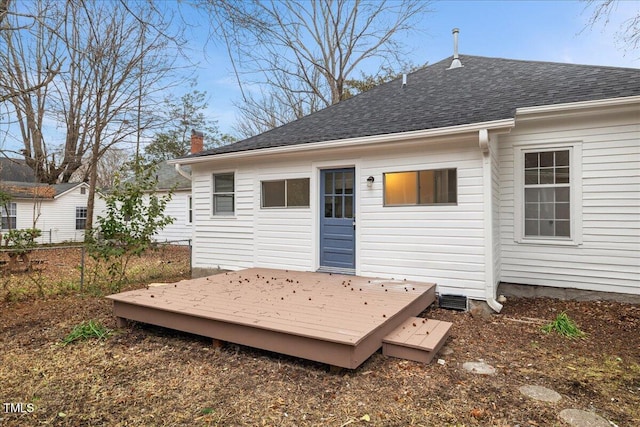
x=197 y=141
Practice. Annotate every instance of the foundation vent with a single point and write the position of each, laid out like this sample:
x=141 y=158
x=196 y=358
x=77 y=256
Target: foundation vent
x=453 y=302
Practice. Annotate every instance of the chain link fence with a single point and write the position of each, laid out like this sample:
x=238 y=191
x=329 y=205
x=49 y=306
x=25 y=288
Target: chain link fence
x=49 y=270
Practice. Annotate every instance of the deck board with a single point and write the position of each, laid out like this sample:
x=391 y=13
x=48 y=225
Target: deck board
x=418 y=333
x=416 y=339
x=317 y=312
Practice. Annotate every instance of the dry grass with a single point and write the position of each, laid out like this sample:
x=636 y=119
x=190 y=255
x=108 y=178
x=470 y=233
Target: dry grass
x=57 y=272
x=149 y=376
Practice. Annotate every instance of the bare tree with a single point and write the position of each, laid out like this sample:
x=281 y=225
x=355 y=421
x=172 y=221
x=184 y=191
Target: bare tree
x=601 y=11
x=16 y=24
x=116 y=60
x=300 y=53
x=127 y=58
x=182 y=114
x=117 y=55
x=29 y=47
x=110 y=165
x=281 y=101
x=4 y=6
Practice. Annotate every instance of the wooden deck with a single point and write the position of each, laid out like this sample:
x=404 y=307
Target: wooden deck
x=335 y=319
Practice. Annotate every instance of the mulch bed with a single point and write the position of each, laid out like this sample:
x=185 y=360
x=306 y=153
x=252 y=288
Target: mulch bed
x=145 y=375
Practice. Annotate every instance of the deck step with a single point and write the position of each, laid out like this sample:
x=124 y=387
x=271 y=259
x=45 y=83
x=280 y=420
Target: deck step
x=416 y=339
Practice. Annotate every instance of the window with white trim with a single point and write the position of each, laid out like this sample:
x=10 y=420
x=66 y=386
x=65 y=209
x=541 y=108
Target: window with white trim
x=9 y=216
x=81 y=217
x=223 y=194
x=285 y=193
x=425 y=187
x=189 y=210
x=547 y=194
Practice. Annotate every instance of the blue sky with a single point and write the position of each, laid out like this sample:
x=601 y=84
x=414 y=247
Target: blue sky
x=530 y=30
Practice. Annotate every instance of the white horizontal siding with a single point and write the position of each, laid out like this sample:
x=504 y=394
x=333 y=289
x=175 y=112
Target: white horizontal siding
x=178 y=209
x=221 y=241
x=441 y=244
x=56 y=218
x=438 y=243
x=609 y=257
x=283 y=236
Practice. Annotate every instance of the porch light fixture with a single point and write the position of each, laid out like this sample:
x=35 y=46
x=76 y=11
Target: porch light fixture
x=370 y=181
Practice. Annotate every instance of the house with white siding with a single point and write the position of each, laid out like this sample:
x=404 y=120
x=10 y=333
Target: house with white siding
x=178 y=208
x=59 y=210
x=177 y=182
x=471 y=173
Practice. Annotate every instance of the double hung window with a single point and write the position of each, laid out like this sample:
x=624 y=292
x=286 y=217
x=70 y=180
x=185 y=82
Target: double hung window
x=223 y=194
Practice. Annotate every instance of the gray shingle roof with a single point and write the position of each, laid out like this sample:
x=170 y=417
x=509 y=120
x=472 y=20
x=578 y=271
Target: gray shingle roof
x=484 y=89
x=61 y=188
x=168 y=178
x=15 y=170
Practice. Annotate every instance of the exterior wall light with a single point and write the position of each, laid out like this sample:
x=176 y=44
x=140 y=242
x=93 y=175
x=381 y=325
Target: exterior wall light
x=370 y=181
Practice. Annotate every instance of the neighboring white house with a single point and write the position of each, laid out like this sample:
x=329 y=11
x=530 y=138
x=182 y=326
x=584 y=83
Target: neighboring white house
x=179 y=207
x=59 y=211
x=496 y=171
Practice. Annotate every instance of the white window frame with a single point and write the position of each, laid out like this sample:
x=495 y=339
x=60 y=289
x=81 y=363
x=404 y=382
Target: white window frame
x=417 y=172
x=228 y=193
x=575 y=188
x=11 y=213
x=286 y=201
x=86 y=212
x=189 y=209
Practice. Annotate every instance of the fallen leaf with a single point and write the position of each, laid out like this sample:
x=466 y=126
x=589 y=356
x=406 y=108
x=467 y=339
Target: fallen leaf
x=477 y=413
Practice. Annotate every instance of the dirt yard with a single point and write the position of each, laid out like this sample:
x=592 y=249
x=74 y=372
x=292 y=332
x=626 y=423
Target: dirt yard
x=148 y=376
x=57 y=271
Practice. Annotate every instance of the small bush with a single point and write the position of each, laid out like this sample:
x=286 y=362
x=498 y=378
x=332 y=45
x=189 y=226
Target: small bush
x=564 y=326
x=85 y=331
x=134 y=214
x=21 y=241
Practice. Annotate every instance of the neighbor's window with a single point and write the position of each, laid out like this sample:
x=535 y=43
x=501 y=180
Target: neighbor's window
x=547 y=188
x=189 y=210
x=285 y=193
x=223 y=194
x=9 y=216
x=81 y=218
x=83 y=190
x=425 y=187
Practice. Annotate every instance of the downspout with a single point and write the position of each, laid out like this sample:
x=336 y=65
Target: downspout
x=182 y=172
x=490 y=289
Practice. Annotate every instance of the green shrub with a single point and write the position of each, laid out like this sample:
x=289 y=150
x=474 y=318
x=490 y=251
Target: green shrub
x=85 y=331
x=134 y=214
x=21 y=241
x=564 y=326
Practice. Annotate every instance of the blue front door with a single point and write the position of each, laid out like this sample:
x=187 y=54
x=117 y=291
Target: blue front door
x=337 y=220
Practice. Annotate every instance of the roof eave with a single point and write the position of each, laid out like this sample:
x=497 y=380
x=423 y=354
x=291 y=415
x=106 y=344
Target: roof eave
x=550 y=110
x=502 y=124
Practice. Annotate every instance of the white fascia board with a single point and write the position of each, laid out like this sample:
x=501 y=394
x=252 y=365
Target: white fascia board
x=549 y=110
x=353 y=142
